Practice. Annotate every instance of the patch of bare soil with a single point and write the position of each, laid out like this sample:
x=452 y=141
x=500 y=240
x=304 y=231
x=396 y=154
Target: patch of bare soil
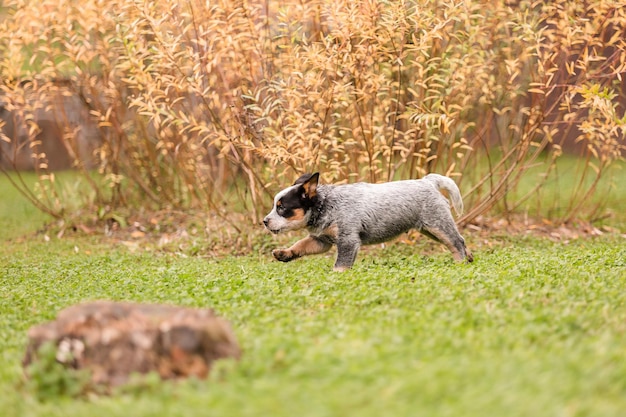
x=522 y=225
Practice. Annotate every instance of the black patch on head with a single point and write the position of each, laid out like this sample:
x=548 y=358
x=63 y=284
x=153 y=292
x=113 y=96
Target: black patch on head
x=302 y=197
x=289 y=204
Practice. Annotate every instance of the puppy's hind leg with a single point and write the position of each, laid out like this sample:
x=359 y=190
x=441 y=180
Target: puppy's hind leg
x=310 y=245
x=448 y=234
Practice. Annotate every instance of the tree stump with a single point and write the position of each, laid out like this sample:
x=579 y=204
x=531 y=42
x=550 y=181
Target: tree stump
x=115 y=339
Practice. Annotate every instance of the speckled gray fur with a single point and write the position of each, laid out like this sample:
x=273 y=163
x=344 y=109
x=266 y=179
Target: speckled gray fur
x=358 y=214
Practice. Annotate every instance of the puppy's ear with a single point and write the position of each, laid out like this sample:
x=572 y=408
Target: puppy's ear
x=309 y=184
x=303 y=178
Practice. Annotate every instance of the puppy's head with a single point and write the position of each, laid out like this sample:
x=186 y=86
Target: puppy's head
x=292 y=206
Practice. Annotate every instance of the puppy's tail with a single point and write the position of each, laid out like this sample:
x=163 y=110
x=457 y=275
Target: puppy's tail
x=450 y=186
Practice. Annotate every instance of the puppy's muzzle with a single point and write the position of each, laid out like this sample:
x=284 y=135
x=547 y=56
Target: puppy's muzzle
x=266 y=222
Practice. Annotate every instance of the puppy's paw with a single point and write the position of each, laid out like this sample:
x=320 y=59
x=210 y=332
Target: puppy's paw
x=340 y=268
x=469 y=257
x=283 y=255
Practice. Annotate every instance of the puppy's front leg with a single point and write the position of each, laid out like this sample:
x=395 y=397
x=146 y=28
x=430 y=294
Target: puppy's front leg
x=310 y=245
x=347 y=249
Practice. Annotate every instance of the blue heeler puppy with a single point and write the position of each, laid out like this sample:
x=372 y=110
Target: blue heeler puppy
x=358 y=214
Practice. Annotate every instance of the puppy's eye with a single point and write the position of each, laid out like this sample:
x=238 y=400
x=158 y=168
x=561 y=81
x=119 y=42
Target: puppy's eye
x=280 y=210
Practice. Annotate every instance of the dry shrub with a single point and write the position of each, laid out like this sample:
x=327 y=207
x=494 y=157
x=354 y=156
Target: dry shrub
x=203 y=104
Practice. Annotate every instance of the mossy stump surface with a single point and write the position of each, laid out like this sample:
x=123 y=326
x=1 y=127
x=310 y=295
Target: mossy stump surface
x=116 y=339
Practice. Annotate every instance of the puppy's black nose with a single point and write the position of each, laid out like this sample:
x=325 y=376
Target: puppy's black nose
x=265 y=222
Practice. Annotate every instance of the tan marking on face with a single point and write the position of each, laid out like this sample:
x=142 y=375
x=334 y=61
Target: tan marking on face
x=298 y=215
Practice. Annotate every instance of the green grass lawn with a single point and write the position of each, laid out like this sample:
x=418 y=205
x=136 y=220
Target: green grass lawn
x=531 y=328
x=554 y=199
x=18 y=216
